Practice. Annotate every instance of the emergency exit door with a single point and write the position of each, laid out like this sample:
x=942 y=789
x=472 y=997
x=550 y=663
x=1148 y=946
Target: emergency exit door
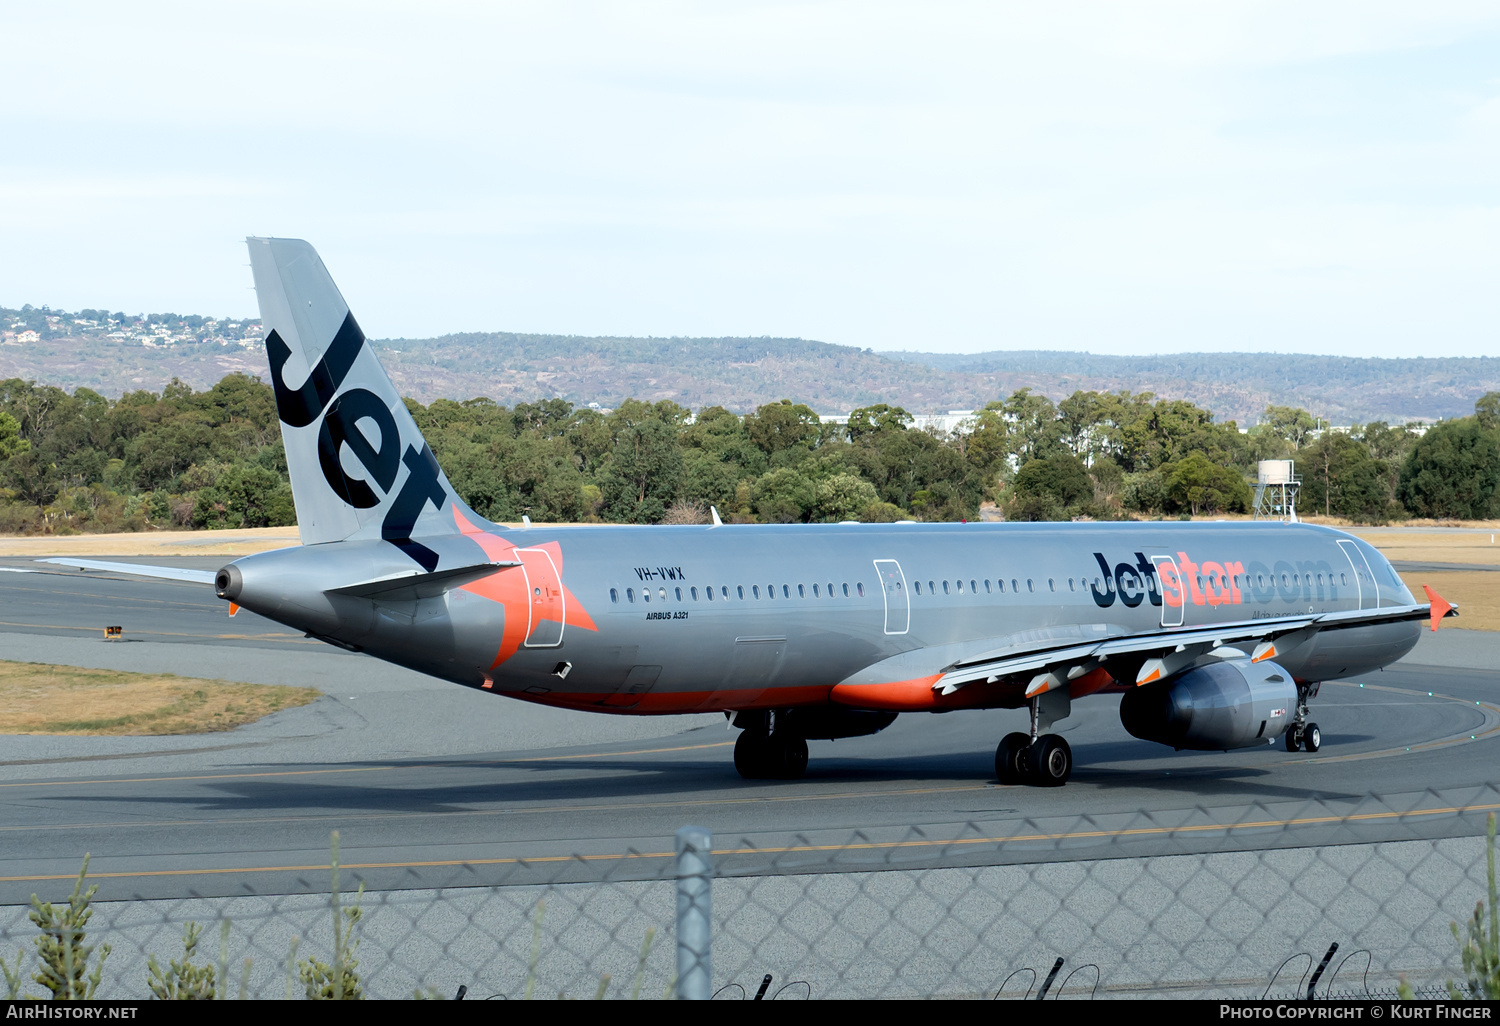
x=893 y=590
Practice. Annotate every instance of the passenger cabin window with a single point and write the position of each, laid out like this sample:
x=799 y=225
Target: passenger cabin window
x=945 y=588
x=1014 y=586
x=756 y=589
x=1051 y=584
x=859 y=586
x=708 y=593
x=695 y=594
x=614 y=595
x=645 y=594
x=679 y=594
x=846 y=591
x=1030 y=585
x=987 y=586
x=786 y=591
x=815 y=591
x=830 y=589
x=974 y=587
x=629 y=594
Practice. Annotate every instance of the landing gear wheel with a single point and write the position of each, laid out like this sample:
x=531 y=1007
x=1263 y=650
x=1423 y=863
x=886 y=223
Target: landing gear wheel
x=762 y=756
x=1050 y=761
x=787 y=758
x=1293 y=738
x=1312 y=737
x=750 y=754
x=1010 y=758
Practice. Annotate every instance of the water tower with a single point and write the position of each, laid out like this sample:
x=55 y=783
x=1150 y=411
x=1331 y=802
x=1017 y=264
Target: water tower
x=1276 y=487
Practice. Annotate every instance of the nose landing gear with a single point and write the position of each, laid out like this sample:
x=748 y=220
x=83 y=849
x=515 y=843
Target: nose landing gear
x=1045 y=760
x=1301 y=733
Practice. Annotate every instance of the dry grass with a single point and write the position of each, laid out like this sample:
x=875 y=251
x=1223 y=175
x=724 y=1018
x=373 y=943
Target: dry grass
x=153 y=543
x=1427 y=547
x=1475 y=592
x=36 y=698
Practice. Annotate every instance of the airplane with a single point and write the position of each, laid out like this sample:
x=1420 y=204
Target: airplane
x=1217 y=635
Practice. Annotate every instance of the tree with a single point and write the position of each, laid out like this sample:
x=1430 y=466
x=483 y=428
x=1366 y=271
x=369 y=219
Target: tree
x=1453 y=471
x=1340 y=474
x=1063 y=477
x=11 y=442
x=644 y=470
x=776 y=427
x=783 y=496
x=1487 y=409
x=870 y=421
x=1290 y=424
x=1035 y=429
x=1197 y=482
x=843 y=497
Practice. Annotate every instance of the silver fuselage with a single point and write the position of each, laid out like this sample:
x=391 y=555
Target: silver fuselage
x=798 y=610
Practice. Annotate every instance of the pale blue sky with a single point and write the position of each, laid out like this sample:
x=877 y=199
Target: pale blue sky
x=952 y=177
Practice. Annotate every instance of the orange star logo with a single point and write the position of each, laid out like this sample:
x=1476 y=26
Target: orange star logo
x=537 y=603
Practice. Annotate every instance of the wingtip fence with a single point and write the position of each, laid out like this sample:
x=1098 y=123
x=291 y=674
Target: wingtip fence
x=1365 y=897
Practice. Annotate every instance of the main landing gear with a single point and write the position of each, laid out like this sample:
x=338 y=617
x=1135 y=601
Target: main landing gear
x=1301 y=733
x=764 y=752
x=1045 y=760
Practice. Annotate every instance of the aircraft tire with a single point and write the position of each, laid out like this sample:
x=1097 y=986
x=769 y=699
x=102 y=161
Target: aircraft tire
x=1010 y=758
x=1293 y=738
x=1050 y=761
x=750 y=751
x=788 y=758
x=1312 y=737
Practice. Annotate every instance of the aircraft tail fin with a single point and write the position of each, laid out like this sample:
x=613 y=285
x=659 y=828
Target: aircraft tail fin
x=358 y=464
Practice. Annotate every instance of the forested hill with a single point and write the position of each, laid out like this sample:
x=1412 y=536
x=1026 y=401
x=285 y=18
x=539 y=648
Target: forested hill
x=115 y=353
x=1343 y=389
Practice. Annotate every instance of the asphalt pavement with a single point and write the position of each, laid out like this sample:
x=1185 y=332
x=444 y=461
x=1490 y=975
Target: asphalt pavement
x=432 y=785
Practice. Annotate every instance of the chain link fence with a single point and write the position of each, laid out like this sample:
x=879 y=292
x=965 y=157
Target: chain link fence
x=1273 y=901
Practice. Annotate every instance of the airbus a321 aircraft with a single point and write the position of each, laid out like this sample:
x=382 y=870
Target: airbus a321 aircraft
x=1217 y=634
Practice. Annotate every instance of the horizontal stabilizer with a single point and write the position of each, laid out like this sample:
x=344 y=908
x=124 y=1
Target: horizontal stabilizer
x=420 y=585
x=165 y=573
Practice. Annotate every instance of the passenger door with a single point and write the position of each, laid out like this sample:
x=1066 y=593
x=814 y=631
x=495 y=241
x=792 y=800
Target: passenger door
x=1168 y=574
x=545 y=602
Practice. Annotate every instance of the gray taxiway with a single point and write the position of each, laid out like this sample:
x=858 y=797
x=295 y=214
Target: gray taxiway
x=434 y=785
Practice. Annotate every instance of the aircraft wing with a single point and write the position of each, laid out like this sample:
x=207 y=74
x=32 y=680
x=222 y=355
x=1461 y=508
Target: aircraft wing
x=165 y=573
x=1163 y=652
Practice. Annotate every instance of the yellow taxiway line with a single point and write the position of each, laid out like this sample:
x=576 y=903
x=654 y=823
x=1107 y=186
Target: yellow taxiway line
x=1363 y=817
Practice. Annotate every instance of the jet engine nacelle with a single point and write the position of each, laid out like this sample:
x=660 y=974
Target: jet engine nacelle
x=1229 y=704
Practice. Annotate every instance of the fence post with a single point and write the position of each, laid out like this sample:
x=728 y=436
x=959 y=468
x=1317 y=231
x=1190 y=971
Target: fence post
x=695 y=874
